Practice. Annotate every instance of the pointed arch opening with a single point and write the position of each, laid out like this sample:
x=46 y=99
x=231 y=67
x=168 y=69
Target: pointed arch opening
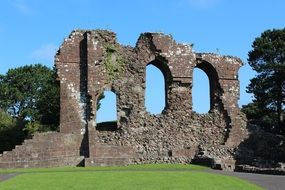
x=157 y=76
x=106 y=116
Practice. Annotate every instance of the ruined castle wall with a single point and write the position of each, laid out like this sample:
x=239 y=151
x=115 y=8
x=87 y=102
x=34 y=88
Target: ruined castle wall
x=176 y=135
x=90 y=62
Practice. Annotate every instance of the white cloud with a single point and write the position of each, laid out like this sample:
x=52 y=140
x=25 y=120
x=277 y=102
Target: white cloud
x=22 y=6
x=202 y=4
x=45 y=52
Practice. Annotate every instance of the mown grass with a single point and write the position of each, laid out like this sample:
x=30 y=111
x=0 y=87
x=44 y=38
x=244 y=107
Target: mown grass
x=133 y=177
x=131 y=167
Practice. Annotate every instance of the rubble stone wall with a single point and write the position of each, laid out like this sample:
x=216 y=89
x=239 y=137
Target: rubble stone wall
x=92 y=61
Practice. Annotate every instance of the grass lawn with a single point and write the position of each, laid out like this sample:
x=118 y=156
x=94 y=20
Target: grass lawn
x=132 y=177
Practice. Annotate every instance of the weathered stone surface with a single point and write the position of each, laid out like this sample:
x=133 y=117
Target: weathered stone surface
x=89 y=62
x=45 y=150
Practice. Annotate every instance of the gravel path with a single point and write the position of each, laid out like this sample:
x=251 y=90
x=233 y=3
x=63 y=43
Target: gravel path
x=6 y=176
x=269 y=182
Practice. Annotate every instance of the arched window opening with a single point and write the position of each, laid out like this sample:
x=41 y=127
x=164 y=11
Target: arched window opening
x=106 y=116
x=155 y=93
x=200 y=91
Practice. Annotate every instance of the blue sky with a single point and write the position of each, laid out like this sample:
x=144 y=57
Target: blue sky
x=32 y=30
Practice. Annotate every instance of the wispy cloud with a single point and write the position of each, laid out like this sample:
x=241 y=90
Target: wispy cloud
x=203 y=4
x=45 y=53
x=22 y=6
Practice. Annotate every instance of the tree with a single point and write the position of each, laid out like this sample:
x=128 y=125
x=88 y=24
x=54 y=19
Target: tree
x=268 y=59
x=101 y=97
x=11 y=132
x=31 y=94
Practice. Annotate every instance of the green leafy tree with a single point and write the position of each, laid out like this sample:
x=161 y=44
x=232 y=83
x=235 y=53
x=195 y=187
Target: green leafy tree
x=5 y=120
x=31 y=93
x=11 y=132
x=268 y=87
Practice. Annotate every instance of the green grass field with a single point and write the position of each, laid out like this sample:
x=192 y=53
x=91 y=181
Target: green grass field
x=131 y=177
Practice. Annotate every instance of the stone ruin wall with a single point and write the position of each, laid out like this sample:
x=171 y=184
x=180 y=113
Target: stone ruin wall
x=90 y=62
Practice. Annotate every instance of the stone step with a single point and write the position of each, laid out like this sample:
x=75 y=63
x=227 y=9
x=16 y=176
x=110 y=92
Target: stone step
x=46 y=150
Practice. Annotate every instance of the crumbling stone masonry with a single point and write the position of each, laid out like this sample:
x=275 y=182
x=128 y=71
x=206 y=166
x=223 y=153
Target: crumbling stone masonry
x=89 y=62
